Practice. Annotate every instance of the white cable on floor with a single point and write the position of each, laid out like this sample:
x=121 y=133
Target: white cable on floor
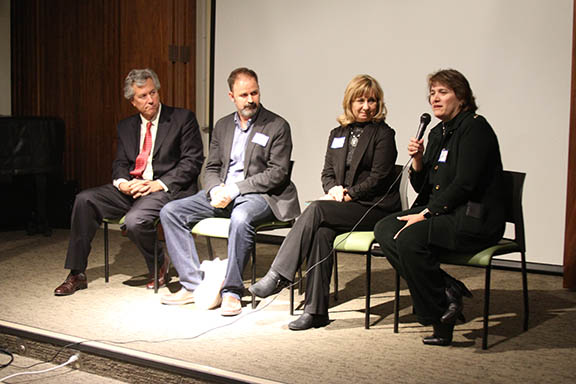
x=72 y=359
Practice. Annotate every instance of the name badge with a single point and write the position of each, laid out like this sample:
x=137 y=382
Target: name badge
x=338 y=142
x=260 y=139
x=443 y=156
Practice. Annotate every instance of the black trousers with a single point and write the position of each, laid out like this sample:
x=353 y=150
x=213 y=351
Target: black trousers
x=106 y=201
x=416 y=260
x=312 y=238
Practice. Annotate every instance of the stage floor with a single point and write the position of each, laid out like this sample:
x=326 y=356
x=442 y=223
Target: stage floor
x=125 y=318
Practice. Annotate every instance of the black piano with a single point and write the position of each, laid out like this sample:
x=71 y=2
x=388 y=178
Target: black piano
x=31 y=152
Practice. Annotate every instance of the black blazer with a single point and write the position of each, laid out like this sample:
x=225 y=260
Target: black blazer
x=178 y=151
x=464 y=183
x=372 y=169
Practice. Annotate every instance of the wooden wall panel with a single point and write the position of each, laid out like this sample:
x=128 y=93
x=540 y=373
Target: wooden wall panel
x=66 y=53
x=24 y=57
x=570 y=231
x=70 y=57
x=184 y=76
x=146 y=37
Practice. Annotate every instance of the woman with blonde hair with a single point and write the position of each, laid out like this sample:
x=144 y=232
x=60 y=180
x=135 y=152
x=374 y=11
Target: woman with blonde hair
x=359 y=168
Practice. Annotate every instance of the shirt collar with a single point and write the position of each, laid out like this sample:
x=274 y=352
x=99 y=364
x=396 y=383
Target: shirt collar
x=248 y=125
x=455 y=122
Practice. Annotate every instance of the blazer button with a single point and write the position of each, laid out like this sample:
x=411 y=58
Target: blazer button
x=437 y=187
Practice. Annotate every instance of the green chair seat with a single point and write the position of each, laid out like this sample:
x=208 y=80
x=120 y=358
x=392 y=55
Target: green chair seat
x=219 y=227
x=354 y=242
x=212 y=227
x=119 y=221
x=482 y=258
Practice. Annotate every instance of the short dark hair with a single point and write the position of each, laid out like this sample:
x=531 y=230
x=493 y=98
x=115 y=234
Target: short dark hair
x=456 y=81
x=240 y=71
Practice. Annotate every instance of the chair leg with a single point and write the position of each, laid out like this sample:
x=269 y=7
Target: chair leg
x=396 y=301
x=300 y=279
x=210 y=250
x=106 y=254
x=368 y=289
x=525 y=292
x=156 y=264
x=486 y=307
x=292 y=299
x=157 y=242
x=335 y=275
x=253 y=274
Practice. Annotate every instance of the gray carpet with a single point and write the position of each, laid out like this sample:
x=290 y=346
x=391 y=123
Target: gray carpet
x=258 y=343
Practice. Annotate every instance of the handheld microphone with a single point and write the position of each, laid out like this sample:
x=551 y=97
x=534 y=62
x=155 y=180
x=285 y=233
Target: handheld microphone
x=424 y=121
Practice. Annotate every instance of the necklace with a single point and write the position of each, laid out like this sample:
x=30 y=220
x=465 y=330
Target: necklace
x=355 y=133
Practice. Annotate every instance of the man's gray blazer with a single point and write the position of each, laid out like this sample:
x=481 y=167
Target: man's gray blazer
x=266 y=161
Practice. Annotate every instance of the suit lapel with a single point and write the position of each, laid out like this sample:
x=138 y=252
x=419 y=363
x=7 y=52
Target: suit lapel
x=340 y=156
x=258 y=127
x=164 y=125
x=134 y=137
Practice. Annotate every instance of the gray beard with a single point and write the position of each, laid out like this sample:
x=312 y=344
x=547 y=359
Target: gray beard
x=249 y=112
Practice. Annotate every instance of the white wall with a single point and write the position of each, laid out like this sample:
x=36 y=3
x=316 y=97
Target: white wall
x=5 y=75
x=515 y=53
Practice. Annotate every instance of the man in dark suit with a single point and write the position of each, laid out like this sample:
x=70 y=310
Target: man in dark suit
x=247 y=179
x=159 y=158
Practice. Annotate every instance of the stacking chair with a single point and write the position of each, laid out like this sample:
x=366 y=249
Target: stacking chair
x=120 y=221
x=362 y=243
x=106 y=222
x=514 y=183
x=218 y=227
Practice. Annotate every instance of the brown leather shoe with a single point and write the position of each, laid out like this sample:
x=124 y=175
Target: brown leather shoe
x=162 y=275
x=183 y=296
x=231 y=306
x=72 y=284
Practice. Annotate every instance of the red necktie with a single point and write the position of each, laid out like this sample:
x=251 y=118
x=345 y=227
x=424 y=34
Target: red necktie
x=142 y=158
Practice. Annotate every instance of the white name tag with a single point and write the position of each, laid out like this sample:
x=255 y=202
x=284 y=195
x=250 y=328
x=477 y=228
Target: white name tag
x=338 y=142
x=260 y=139
x=443 y=156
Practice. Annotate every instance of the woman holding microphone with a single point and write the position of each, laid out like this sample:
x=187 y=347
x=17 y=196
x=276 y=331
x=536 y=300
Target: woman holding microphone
x=458 y=178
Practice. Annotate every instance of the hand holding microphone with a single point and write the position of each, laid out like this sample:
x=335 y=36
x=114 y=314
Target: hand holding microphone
x=416 y=144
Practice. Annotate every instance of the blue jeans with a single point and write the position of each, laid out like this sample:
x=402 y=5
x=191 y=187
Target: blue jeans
x=179 y=216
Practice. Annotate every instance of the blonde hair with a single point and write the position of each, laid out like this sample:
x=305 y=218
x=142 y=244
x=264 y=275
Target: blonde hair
x=359 y=86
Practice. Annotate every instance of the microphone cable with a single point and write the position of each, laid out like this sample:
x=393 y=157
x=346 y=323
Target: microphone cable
x=425 y=119
x=349 y=233
x=267 y=303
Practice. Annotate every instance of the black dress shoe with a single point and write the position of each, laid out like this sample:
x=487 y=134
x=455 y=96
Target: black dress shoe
x=442 y=335
x=270 y=284
x=454 y=293
x=455 y=307
x=307 y=321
